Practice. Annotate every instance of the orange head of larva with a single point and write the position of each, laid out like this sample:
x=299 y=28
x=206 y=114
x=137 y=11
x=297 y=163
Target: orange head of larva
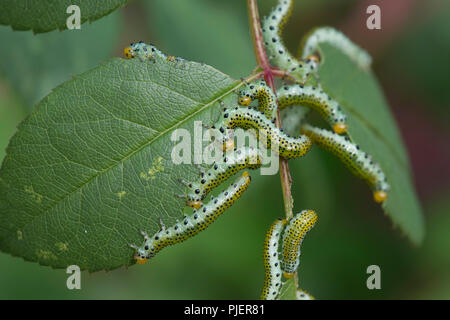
x=228 y=145
x=246 y=174
x=340 y=128
x=128 y=52
x=380 y=196
x=139 y=259
x=288 y=275
x=171 y=58
x=194 y=204
x=244 y=101
x=313 y=57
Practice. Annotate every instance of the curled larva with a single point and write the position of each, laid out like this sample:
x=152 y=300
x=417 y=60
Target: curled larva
x=232 y=163
x=193 y=224
x=293 y=236
x=146 y=52
x=272 y=267
x=248 y=118
x=337 y=39
x=359 y=162
x=303 y=295
x=278 y=54
x=314 y=98
x=267 y=101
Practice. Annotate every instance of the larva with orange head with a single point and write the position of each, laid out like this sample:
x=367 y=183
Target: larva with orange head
x=359 y=162
x=145 y=51
x=248 y=118
x=316 y=99
x=267 y=101
x=293 y=236
x=311 y=42
x=193 y=224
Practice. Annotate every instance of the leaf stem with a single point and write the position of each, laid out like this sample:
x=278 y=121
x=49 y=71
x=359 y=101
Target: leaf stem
x=269 y=73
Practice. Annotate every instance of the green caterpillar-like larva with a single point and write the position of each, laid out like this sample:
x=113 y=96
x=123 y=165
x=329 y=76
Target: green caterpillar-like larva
x=193 y=224
x=272 y=265
x=248 y=118
x=278 y=54
x=267 y=101
x=338 y=40
x=232 y=163
x=316 y=99
x=293 y=236
x=147 y=52
x=359 y=162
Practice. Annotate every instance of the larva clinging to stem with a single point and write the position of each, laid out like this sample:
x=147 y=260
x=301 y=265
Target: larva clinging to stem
x=272 y=266
x=293 y=236
x=248 y=118
x=272 y=29
x=267 y=101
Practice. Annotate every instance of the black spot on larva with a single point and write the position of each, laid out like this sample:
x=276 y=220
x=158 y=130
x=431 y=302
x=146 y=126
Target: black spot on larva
x=274 y=40
x=271 y=27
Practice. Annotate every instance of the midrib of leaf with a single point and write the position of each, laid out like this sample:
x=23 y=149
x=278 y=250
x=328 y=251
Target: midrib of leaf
x=177 y=124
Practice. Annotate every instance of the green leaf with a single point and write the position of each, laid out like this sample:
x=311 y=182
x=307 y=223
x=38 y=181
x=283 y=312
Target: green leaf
x=33 y=65
x=372 y=126
x=92 y=164
x=288 y=291
x=47 y=15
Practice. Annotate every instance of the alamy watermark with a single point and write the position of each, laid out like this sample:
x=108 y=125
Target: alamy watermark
x=374 y=280
x=74 y=280
x=374 y=19
x=74 y=20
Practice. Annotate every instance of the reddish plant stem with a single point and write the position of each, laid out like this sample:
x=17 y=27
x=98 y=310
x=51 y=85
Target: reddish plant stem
x=264 y=64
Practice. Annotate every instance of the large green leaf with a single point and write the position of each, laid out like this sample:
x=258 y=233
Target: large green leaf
x=371 y=125
x=47 y=15
x=33 y=65
x=92 y=164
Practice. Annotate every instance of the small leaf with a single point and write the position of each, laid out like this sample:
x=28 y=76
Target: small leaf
x=47 y=15
x=92 y=164
x=372 y=126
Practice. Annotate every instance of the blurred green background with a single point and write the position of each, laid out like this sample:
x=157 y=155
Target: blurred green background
x=411 y=54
